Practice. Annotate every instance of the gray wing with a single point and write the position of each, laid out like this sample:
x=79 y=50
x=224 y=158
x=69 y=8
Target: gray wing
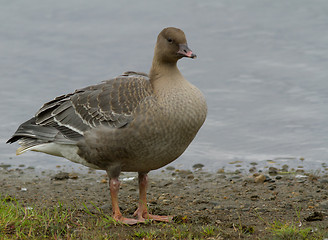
x=67 y=117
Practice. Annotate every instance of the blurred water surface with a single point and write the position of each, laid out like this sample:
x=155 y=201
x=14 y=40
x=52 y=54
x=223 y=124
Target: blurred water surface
x=262 y=65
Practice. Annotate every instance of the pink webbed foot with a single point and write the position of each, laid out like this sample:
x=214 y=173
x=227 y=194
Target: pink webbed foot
x=144 y=215
x=129 y=221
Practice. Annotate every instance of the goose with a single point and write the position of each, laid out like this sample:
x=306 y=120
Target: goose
x=135 y=122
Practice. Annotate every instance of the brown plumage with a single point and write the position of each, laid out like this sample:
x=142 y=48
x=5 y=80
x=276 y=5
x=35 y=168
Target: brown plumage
x=130 y=123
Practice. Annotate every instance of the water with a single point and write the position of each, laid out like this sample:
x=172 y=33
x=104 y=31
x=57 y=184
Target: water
x=261 y=64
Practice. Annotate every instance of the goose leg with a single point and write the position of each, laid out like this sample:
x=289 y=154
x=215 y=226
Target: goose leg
x=114 y=186
x=142 y=211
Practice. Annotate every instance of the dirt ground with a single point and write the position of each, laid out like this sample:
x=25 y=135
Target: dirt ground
x=244 y=205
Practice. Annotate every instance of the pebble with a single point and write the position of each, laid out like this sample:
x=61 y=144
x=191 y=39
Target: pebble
x=270 y=180
x=73 y=175
x=273 y=171
x=254 y=197
x=284 y=168
x=104 y=180
x=184 y=173
x=60 y=176
x=272 y=187
x=237 y=171
x=5 y=166
x=278 y=177
x=198 y=165
x=170 y=168
x=252 y=169
x=316 y=216
x=260 y=179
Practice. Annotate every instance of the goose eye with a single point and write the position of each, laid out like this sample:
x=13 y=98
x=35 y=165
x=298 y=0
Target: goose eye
x=170 y=40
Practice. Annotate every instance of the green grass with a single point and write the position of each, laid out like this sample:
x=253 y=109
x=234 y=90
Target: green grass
x=59 y=222
x=18 y=222
x=290 y=231
x=63 y=222
x=293 y=231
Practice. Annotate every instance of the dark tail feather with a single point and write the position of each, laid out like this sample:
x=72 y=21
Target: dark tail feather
x=29 y=129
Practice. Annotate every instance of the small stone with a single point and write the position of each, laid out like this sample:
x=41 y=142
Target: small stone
x=198 y=166
x=170 y=168
x=270 y=161
x=60 y=176
x=272 y=187
x=254 y=197
x=184 y=173
x=252 y=169
x=104 y=180
x=73 y=175
x=270 y=180
x=234 y=162
x=273 y=171
x=260 y=179
x=284 y=168
x=5 y=166
x=278 y=177
x=316 y=216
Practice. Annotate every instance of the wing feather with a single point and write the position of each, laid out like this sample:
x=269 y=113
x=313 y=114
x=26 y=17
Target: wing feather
x=109 y=103
x=66 y=118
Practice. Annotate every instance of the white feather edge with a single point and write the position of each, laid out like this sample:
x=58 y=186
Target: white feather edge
x=60 y=150
x=69 y=126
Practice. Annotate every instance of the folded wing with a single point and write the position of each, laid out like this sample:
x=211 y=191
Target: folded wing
x=65 y=119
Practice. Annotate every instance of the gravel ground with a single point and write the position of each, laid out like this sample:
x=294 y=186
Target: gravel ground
x=237 y=202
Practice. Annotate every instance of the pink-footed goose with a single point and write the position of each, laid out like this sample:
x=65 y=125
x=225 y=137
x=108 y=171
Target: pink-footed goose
x=133 y=123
